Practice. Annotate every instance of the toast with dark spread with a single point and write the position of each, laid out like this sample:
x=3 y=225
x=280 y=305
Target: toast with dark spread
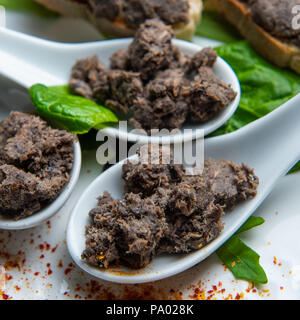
x=267 y=26
x=120 y=18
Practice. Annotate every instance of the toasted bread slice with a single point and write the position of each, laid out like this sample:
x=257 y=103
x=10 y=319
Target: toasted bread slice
x=280 y=53
x=69 y=8
x=118 y=28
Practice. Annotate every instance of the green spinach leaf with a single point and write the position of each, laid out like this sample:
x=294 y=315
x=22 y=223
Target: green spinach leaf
x=213 y=26
x=264 y=86
x=27 y=5
x=296 y=168
x=73 y=113
x=252 y=222
x=242 y=261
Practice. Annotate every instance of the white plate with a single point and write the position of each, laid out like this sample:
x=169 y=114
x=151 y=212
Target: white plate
x=31 y=276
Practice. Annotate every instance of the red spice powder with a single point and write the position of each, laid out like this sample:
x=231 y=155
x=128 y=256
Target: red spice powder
x=8 y=277
x=5 y=296
x=67 y=271
x=54 y=249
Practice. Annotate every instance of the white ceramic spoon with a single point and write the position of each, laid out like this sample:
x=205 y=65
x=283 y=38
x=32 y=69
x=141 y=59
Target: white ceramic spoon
x=14 y=98
x=50 y=210
x=270 y=145
x=28 y=60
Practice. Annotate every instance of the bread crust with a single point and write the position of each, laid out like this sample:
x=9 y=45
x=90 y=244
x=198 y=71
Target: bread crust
x=65 y=7
x=118 y=28
x=282 y=54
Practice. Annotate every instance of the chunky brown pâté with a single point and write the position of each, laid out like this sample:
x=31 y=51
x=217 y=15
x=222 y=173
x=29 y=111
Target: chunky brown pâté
x=275 y=17
x=35 y=164
x=135 y=12
x=164 y=210
x=153 y=82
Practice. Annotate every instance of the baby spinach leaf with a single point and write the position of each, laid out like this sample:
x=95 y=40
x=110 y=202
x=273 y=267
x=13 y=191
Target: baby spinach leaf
x=296 y=168
x=264 y=86
x=213 y=26
x=242 y=261
x=73 y=113
x=27 y=5
x=252 y=222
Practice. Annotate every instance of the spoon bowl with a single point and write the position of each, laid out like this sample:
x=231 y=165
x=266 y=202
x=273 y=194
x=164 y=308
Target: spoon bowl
x=14 y=98
x=269 y=145
x=28 y=60
x=50 y=210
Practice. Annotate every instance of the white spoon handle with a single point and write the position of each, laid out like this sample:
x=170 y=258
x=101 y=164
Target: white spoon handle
x=22 y=58
x=271 y=144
